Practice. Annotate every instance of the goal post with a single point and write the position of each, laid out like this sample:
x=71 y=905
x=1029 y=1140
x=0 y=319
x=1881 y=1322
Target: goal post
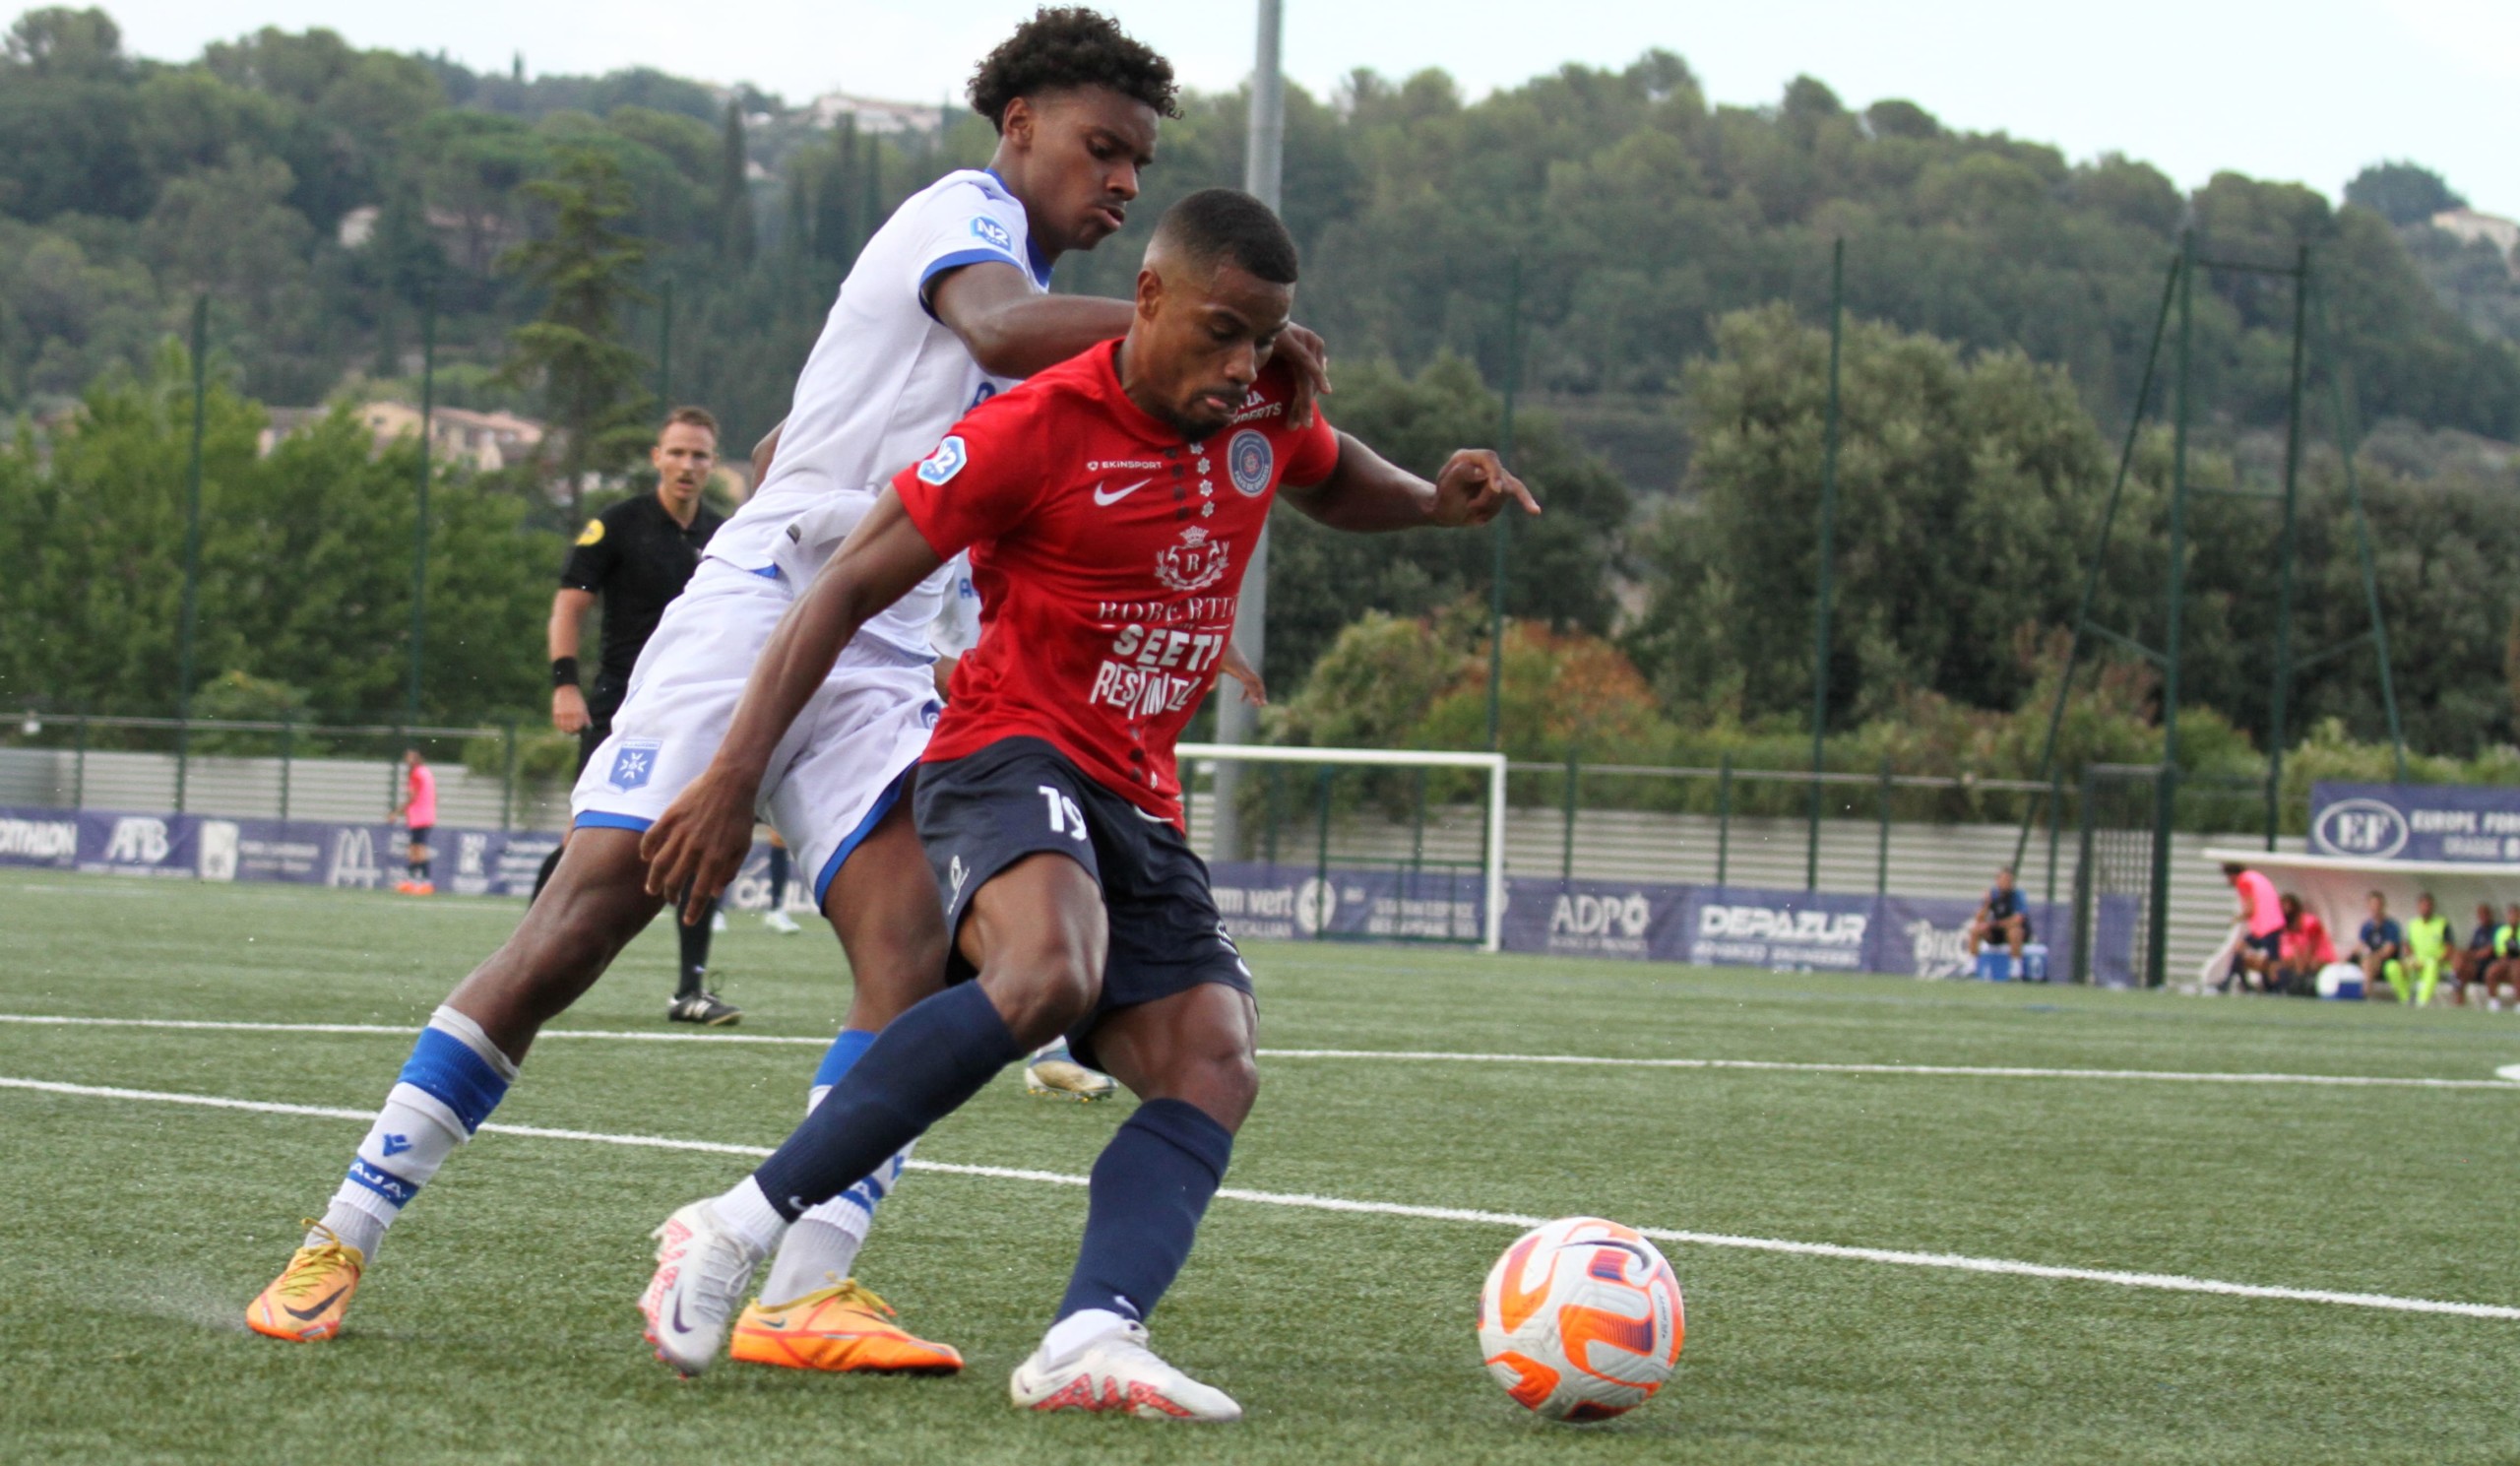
x=1372 y=814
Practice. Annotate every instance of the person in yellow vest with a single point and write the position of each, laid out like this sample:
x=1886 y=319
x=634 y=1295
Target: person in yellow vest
x=2427 y=947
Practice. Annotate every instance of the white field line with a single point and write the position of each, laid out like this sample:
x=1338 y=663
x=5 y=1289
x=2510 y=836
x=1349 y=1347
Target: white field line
x=2158 y=1282
x=2509 y=1080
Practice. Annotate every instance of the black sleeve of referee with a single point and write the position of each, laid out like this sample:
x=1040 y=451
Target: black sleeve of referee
x=593 y=557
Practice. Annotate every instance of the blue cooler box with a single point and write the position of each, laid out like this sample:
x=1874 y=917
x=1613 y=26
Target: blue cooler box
x=1994 y=965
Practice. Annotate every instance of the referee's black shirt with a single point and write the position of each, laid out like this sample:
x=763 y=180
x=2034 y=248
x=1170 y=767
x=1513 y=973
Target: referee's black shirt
x=637 y=558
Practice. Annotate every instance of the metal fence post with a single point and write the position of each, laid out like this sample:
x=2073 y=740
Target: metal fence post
x=288 y=742
x=1321 y=851
x=78 y=768
x=2055 y=818
x=183 y=758
x=1881 y=858
x=507 y=782
x=2084 y=878
x=1722 y=818
x=1574 y=773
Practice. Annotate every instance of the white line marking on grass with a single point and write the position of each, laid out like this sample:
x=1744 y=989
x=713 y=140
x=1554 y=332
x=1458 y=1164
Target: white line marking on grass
x=2006 y=1267
x=1978 y=1072
x=2509 y=1080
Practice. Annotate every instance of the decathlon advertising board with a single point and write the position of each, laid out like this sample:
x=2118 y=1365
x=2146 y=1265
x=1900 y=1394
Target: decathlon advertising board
x=2453 y=823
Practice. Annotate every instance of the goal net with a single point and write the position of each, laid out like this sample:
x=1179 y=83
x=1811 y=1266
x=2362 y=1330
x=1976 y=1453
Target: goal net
x=1352 y=844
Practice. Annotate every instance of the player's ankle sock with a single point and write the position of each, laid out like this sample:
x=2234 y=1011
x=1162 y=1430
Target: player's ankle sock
x=424 y=869
x=922 y=1066
x=694 y=953
x=1079 y=1329
x=778 y=877
x=1149 y=1188
x=823 y=1245
x=453 y=1080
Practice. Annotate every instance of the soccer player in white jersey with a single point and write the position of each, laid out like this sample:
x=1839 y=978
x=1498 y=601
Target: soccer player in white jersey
x=947 y=305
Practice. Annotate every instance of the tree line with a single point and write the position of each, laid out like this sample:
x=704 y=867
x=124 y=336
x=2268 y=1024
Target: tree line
x=1652 y=266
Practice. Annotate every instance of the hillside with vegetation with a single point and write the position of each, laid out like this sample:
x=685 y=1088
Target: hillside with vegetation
x=1658 y=265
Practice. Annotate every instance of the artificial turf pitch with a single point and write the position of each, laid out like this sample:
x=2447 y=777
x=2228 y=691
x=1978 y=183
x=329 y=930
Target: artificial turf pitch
x=498 y=1322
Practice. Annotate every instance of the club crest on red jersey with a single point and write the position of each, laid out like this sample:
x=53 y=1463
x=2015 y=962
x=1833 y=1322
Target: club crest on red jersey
x=1193 y=564
x=1248 y=459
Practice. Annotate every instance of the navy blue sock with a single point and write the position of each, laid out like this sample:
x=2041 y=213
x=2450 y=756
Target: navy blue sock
x=695 y=950
x=1150 y=1186
x=919 y=1069
x=778 y=877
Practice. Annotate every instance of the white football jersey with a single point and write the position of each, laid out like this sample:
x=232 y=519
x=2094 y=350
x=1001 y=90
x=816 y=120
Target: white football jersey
x=884 y=382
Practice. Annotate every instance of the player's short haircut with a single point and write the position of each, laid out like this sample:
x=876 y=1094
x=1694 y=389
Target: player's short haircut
x=1219 y=226
x=2231 y=870
x=700 y=417
x=1064 y=49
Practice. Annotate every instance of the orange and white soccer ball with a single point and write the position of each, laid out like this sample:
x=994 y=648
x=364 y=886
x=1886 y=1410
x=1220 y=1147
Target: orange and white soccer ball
x=1581 y=1319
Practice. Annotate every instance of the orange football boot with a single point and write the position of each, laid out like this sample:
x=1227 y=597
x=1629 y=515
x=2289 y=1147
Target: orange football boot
x=304 y=1305
x=843 y=1329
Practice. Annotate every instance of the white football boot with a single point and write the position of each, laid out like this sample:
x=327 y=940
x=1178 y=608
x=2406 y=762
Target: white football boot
x=703 y=1269
x=1117 y=1374
x=781 y=922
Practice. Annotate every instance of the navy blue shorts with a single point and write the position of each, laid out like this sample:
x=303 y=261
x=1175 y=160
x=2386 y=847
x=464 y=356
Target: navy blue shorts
x=981 y=814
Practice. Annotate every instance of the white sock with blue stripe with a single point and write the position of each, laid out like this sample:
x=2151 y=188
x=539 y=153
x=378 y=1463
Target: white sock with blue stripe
x=822 y=1245
x=451 y=1081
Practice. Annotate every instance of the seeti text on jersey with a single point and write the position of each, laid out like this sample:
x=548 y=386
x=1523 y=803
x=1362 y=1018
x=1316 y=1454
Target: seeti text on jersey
x=1108 y=554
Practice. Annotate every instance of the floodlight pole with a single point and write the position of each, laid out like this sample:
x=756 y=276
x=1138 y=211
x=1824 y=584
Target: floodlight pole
x=2274 y=704
x=421 y=517
x=192 y=552
x=1263 y=171
x=2166 y=788
x=1501 y=539
x=1828 y=568
x=2348 y=444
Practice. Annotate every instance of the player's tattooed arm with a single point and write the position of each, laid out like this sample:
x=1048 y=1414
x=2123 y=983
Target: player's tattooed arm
x=696 y=847
x=1011 y=331
x=1367 y=492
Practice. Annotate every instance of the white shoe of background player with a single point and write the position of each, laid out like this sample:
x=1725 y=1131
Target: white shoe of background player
x=781 y=922
x=718 y=920
x=1116 y=1374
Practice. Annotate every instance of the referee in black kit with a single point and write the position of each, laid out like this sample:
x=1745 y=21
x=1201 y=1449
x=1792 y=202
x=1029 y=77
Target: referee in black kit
x=637 y=555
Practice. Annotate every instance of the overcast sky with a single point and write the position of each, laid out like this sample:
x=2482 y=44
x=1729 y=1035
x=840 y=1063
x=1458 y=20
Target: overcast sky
x=2308 y=91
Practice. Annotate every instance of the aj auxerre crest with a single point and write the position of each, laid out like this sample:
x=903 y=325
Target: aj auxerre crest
x=1248 y=458
x=1195 y=563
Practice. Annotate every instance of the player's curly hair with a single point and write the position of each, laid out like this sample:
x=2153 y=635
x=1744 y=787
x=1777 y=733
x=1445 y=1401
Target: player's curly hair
x=1065 y=48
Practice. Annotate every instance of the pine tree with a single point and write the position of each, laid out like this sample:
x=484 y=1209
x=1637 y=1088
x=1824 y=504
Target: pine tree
x=591 y=384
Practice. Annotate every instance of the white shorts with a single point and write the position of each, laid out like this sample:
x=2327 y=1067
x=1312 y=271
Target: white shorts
x=830 y=781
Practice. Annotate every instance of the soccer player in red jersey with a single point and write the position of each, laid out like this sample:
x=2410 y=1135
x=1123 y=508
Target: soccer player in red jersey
x=1110 y=506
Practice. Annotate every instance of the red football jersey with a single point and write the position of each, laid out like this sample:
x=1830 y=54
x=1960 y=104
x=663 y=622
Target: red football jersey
x=1108 y=554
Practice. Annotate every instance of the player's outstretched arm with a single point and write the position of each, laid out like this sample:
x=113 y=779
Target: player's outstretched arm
x=1011 y=331
x=1368 y=494
x=699 y=843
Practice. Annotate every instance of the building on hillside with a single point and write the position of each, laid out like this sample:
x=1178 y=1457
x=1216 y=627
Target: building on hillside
x=884 y=117
x=484 y=441
x=2469 y=226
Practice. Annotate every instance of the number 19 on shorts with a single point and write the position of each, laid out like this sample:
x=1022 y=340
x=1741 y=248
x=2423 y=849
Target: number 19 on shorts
x=1065 y=818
